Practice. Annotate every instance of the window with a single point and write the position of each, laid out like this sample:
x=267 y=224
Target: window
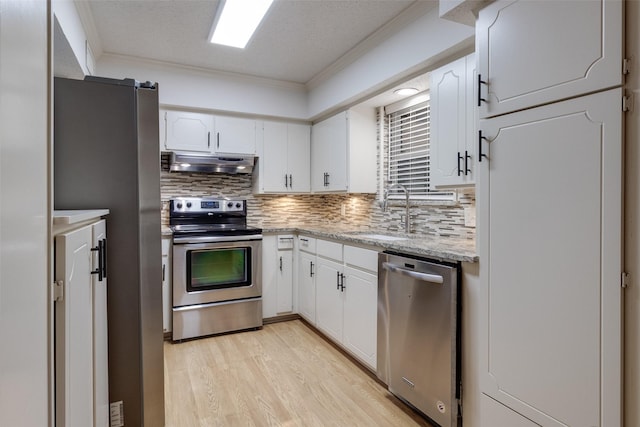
x=408 y=149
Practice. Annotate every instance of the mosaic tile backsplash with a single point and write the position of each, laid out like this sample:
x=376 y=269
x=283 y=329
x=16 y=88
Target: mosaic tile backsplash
x=361 y=211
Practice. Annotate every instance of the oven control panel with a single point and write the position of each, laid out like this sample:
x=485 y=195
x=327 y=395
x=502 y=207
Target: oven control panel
x=203 y=205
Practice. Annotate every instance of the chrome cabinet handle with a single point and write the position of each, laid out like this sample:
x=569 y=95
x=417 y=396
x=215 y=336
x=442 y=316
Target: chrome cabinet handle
x=425 y=277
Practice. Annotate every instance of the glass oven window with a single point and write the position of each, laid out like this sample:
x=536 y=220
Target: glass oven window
x=218 y=268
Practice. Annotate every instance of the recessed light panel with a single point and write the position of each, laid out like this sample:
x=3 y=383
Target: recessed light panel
x=237 y=21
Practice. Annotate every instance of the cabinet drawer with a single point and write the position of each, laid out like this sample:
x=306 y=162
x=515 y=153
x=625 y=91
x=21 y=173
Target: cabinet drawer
x=328 y=249
x=361 y=258
x=307 y=244
x=285 y=241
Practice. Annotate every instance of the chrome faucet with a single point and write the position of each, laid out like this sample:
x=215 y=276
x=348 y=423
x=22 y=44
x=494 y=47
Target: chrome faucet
x=407 y=224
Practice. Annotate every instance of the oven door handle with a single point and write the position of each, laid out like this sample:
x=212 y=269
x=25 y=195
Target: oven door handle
x=215 y=239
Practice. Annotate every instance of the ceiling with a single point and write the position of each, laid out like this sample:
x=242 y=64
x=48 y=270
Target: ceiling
x=299 y=41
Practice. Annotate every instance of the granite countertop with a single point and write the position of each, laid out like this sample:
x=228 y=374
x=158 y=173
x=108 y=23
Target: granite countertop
x=442 y=248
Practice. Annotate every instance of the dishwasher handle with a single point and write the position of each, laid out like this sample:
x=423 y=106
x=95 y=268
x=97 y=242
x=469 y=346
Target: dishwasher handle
x=425 y=277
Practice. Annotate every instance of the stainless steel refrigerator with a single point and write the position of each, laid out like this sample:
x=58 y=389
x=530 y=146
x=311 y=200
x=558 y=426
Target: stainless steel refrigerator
x=106 y=155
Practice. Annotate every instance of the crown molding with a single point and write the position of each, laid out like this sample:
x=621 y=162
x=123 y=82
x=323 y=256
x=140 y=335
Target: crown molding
x=226 y=75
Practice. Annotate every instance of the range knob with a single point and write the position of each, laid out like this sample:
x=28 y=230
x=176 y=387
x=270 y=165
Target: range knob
x=230 y=204
x=188 y=204
x=179 y=205
x=238 y=205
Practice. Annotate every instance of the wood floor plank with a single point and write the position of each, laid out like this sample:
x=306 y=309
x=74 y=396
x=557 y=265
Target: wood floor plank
x=285 y=374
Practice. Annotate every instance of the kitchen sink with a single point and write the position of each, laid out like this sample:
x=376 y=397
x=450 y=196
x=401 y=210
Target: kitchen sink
x=381 y=237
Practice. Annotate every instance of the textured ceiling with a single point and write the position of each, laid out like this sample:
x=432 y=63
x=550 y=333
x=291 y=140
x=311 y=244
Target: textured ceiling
x=297 y=41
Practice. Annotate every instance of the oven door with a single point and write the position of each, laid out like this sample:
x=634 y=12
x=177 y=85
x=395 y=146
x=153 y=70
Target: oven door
x=215 y=272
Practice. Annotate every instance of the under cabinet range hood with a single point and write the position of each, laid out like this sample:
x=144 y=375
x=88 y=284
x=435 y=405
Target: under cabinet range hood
x=211 y=163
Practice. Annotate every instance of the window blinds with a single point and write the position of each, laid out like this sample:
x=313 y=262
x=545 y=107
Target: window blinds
x=409 y=130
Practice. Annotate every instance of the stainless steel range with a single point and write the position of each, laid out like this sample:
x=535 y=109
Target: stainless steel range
x=217 y=269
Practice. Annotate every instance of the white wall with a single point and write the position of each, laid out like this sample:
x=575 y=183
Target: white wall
x=632 y=222
x=197 y=88
x=419 y=45
x=25 y=213
x=71 y=42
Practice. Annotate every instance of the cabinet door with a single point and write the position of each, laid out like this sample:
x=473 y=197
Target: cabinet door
x=235 y=135
x=285 y=281
x=74 y=330
x=167 y=302
x=550 y=241
x=307 y=286
x=100 y=334
x=299 y=157
x=329 y=298
x=361 y=314
x=329 y=154
x=529 y=55
x=448 y=124
x=187 y=131
x=273 y=162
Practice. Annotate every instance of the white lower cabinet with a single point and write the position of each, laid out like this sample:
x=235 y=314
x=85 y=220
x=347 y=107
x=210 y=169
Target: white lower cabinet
x=360 y=313
x=277 y=275
x=166 y=284
x=551 y=263
x=307 y=269
x=329 y=298
x=81 y=346
x=347 y=298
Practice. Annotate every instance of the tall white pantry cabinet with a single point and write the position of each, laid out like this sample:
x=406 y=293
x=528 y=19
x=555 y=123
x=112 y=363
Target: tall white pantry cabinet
x=80 y=306
x=550 y=212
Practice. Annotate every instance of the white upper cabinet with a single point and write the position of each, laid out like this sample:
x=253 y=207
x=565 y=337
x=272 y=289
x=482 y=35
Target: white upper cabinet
x=235 y=135
x=284 y=159
x=343 y=152
x=187 y=131
x=206 y=133
x=532 y=53
x=453 y=124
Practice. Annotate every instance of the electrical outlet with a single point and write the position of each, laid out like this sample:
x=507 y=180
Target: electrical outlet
x=470 y=216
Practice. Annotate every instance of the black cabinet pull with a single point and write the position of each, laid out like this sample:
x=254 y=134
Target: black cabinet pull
x=480 y=154
x=480 y=82
x=337 y=280
x=104 y=258
x=280 y=263
x=218 y=140
x=310 y=268
x=467 y=159
x=459 y=159
x=208 y=139
x=290 y=181
x=285 y=181
x=101 y=249
x=342 y=282
x=328 y=179
x=164 y=267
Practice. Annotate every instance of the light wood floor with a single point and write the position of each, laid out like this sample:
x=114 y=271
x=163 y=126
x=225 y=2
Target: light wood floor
x=282 y=375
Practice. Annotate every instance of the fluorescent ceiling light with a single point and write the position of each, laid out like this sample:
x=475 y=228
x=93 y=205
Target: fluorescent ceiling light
x=406 y=91
x=237 y=20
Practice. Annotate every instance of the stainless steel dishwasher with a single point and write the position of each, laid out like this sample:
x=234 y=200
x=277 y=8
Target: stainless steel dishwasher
x=418 y=334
